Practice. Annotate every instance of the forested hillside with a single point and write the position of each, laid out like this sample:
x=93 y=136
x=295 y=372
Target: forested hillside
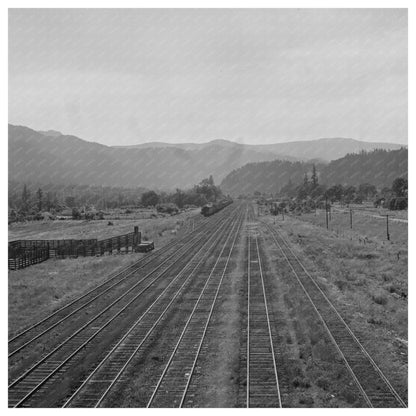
x=68 y=160
x=379 y=167
x=267 y=177
x=52 y=157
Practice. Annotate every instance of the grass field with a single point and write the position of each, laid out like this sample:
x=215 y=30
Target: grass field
x=99 y=229
x=364 y=224
x=42 y=288
x=366 y=279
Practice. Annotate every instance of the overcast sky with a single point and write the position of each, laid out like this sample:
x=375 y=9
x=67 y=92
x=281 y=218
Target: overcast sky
x=253 y=76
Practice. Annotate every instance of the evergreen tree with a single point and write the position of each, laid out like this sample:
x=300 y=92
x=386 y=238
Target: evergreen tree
x=399 y=187
x=48 y=202
x=314 y=177
x=150 y=198
x=25 y=199
x=39 y=194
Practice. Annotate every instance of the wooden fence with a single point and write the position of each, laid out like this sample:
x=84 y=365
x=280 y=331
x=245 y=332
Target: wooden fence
x=23 y=253
x=20 y=258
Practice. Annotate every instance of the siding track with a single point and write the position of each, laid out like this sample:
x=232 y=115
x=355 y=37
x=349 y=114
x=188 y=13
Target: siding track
x=262 y=383
x=109 y=371
x=174 y=382
x=34 y=383
x=374 y=386
x=29 y=335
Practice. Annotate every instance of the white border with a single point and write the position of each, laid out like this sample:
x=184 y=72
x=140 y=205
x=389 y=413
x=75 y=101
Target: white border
x=410 y=5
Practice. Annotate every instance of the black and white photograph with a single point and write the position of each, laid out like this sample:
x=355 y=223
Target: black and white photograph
x=207 y=207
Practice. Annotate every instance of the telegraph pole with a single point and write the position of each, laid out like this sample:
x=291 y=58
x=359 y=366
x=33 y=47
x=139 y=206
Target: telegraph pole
x=387 y=226
x=326 y=212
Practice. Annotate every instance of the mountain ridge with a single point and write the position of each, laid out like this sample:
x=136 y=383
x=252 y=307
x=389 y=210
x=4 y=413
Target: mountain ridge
x=378 y=167
x=67 y=159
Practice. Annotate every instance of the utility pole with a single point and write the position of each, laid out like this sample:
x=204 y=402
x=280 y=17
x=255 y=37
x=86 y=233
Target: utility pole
x=326 y=212
x=387 y=226
x=351 y=218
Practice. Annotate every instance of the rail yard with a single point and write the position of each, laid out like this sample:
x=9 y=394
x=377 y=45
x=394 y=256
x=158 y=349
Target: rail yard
x=226 y=315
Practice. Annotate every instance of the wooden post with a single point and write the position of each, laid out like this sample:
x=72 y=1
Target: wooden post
x=351 y=218
x=326 y=212
x=136 y=237
x=388 y=234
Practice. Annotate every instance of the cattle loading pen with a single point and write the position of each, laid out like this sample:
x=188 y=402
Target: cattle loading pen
x=23 y=253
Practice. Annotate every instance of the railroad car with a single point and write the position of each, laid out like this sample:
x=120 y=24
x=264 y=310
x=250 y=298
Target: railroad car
x=212 y=208
x=145 y=246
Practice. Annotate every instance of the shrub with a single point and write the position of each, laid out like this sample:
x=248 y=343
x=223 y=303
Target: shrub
x=380 y=298
x=397 y=203
x=394 y=288
x=306 y=399
x=168 y=208
x=301 y=382
x=341 y=284
x=386 y=277
x=76 y=214
x=374 y=321
x=323 y=383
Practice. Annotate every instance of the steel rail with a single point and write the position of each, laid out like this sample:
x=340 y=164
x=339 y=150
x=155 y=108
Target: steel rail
x=131 y=269
x=248 y=323
x=188 y=244
x=20 y=378
x=268 y=324
x=333 y=308
x=165 y=370
x=208 y=320
x=114 y=349
x=178 y=292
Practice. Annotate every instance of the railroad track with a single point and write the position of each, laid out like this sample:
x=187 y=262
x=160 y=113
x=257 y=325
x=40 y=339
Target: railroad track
x=373 y=385
x=33 y=384
x=173 y=384
x=262 y=381
x=81 y=308
x=110 y=370
x=39 y=328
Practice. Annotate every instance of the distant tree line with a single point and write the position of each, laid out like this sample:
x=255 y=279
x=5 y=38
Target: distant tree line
x=36 y=202
x=199 y=195
x=310 y=194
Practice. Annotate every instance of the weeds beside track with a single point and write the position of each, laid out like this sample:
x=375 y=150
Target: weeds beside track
x=373 y=385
